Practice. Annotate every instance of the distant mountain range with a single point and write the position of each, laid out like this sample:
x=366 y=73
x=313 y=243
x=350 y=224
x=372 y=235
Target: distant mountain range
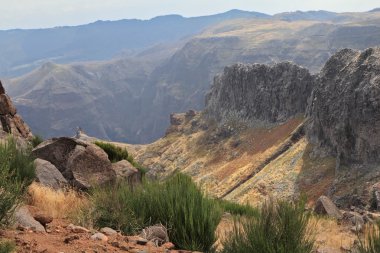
x=129 y=98
x=23 y=50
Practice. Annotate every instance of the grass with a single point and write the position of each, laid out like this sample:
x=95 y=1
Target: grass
x=281 y=227
x=116 y=154
x=17 y=171
x=7 y=246
x=238 y=209
x=57 y=203
x=37 y=140
x=371 y=244
x=177 y=203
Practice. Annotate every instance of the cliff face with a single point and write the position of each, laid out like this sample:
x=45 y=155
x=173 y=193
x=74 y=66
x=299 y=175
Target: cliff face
x=259 y=93
x=11 y=122
x=344 y=108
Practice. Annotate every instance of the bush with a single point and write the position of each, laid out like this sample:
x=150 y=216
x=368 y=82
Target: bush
x=280 y=228
x=16 y=173
x=372 y=241
x=238 y=209
x=7 y=247
x=37 y=140
x=177 y=203
x=116 y=154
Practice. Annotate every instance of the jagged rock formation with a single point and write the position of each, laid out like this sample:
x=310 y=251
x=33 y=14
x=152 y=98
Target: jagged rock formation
x=11 y=122
x=259 y=93
x=82 y=164
x=345 y=108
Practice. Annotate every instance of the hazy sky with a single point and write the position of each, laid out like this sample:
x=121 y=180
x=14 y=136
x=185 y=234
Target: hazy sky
x=50 y=13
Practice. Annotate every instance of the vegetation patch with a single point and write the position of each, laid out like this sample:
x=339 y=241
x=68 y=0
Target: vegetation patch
x=116 y=154
x=371 y=244
x=16 y=173
x=281 y=227
x=7 y=246
x=177 y=203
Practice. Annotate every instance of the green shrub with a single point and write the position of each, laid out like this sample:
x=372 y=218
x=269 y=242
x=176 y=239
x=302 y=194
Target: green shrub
x=116 y=154
x=37 y=140
x=16 y=173
x=372 y=240
x=280 y=228
x=7 y=246
x=177 y=203
x=238 y=209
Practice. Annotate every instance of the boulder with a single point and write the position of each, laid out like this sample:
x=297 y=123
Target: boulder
x=48 y=175
x=324 y=206
x=82 y=164
x=125 y=170
x=6 y=105
x=24 y=218
x=99 y=237
x=40 y=216
x=157 y=234
x=108 y=231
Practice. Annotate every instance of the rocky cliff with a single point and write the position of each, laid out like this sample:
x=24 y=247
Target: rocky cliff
x=11 y=122
x=259 y=93
x=344 y=108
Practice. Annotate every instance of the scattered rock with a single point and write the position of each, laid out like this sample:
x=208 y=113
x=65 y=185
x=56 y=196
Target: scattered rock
x=324 y=205
x=141 y=241
x=71 y=238
x=83 y=164
x=157 y=234
x=168 y=245
x=124 y=170
x=99 y=237
x=77 y=229
x=48 y=175
x=25 y=219
x=108 y=231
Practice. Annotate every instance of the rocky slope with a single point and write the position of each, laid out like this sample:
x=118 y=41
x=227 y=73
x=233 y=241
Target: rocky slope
x=298 y=154
x=11 y=121
x=345 y=106
x=259 y=93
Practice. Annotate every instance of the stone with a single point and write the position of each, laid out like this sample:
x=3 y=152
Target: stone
x=259 y=94
x=108 y=231
x=24 y=218
x=157 y=234
x=325 y=206
x=141 y=241
x=40 y=216
x=168 y=245
x=354 y=218
x=176 y=119
x=344 y=108
x=48 y=175
x=82 y=164
x=99 y=237
x=77 y=229
x=71 y=238
x=124 y=170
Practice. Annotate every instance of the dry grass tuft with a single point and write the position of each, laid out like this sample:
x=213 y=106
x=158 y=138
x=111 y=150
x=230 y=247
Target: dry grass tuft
x=59 y=204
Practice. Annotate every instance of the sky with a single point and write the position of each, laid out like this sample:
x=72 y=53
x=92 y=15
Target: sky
x=51 y=13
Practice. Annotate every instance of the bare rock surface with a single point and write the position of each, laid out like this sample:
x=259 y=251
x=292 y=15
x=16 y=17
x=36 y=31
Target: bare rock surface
x=124 y=170
x=259 y=93
x=25 y=219
x=344 y=108
x=48 y=175
x=324 y=206
x=10 y=121
x=82 y=164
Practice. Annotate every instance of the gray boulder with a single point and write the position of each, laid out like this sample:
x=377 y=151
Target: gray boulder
x=82 y=164
x=325 y=206
x=48 y=175
x=25 y=219
x=125 y=171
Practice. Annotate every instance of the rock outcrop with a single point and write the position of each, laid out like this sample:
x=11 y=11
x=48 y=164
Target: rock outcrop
x=82 y=164
x=125 y=171
x=344 y=108
x=48 y=175
x=259 y=93
x=11 y=122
